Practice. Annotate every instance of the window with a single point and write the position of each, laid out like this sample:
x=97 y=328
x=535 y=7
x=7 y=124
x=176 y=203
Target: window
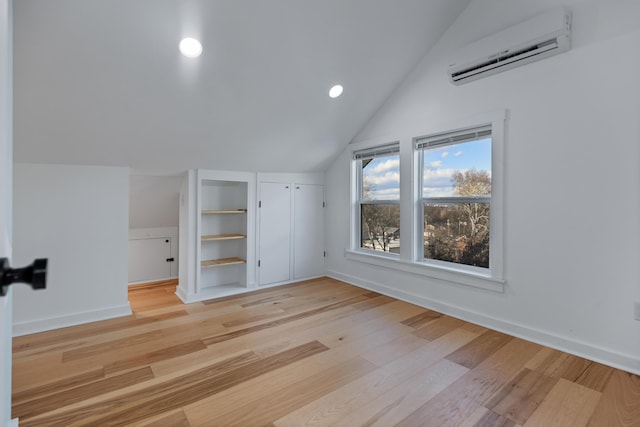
x=455 y=186
x=378 y=198
x=446 y=201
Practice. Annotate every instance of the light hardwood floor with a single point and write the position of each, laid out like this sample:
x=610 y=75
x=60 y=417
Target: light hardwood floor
x=316 y=353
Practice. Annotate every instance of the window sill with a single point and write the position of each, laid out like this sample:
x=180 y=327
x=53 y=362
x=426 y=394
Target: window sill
x=453 y=275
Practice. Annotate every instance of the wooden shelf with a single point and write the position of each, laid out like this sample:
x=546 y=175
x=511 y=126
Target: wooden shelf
x=222 y=262
x=219 y=212
x=223 y=237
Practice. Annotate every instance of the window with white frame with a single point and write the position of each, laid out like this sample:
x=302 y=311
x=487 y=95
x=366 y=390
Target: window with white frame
x=378 y=198
x=456 y=197
x=452 y=204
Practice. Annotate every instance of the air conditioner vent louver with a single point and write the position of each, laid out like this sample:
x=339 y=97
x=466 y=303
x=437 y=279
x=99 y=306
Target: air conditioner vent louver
x=532 y=40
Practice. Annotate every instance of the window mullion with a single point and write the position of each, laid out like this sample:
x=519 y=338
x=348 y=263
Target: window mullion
x=456 y=200
x=379 y=202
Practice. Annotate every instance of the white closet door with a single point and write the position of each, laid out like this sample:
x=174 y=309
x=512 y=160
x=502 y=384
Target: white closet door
x=148 y=259
x=308 y=255
x=275 y=233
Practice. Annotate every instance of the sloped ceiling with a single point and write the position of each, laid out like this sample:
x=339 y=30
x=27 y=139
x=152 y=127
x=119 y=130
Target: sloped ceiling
x=101 y=82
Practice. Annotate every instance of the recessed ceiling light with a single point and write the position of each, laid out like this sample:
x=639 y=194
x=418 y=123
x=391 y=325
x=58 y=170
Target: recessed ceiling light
x=190 y=47
x=336 y=91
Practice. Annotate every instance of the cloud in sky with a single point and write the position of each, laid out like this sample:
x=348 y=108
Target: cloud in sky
x=435 y=164
x=445 y=154
x=385 y=194
x=387 y=165
x=437 y=182
x=382 y=180
x=457 y=154
x=438 y=177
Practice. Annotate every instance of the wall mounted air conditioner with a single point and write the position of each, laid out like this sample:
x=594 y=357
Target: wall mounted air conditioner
x=538 y=38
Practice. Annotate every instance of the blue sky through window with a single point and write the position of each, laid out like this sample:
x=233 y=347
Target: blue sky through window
x=381 y=175
x=440 y=163
x=381 y=178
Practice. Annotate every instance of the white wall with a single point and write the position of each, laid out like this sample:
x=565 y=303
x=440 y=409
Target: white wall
x=154 y=201
x=572 y=187
x=77 y=216
x=154 y=212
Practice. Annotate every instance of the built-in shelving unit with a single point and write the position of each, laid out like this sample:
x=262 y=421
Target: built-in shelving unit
x=222 y=230
x=222 y=262
x=223 y=236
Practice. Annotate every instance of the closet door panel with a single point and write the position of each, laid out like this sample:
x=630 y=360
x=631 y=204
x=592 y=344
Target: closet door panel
x=308 y=254
x=275 y=233
x=148 y=259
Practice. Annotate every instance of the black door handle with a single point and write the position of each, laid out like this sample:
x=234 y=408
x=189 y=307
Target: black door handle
x=34 y=275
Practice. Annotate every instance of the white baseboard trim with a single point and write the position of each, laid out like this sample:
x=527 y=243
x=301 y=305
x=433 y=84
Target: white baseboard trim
x=211 y=293
x=588 y=351
x=182 y=294
x=143 y=282
x=222 y=291
x=41 y=325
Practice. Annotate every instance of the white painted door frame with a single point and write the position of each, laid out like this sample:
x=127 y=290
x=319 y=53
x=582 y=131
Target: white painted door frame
x=6 y=162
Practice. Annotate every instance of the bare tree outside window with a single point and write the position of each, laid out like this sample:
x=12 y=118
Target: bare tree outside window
x=460 y=232
x=379 y=203
x=456 y=199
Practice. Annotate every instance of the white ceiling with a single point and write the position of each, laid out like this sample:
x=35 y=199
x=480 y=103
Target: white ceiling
x=101 y=82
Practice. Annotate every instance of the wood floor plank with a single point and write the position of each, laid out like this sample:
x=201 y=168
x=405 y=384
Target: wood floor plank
x=268 y=300
x=155 y=356
x=394 y=405
x=81 y=414
x=267 y=342
x=319 y=352
x=493 y=419
x=422 y=319
x=479 y=349
x=176 y=419
x=394 y=349
x=58 y=400
x=299 y=302
x=475 y=418
x=329 y=409
x=438 y=328
x=458 y=401
x=254 y=318
x=57 y=386
x=563 y=365
x=596 y=376
x=567 y=404
x=45 y=339
x=231 y=335
x=620 y=402
x=539 y=358
x=101 y=348
x=48 y=368
x=287 y=400
x=518 y=399
x=174 y=394
x=260 y=388
x=373 y=302
x=476 y=329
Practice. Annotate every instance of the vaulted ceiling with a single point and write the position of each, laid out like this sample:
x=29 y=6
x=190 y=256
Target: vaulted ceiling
x=102 y=82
